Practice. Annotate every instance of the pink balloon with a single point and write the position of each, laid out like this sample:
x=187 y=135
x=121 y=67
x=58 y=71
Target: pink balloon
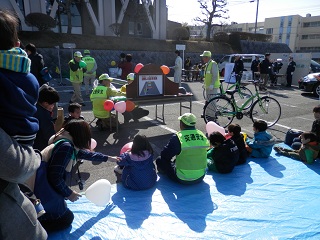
x=165 y=69
x=213 y=127
x=138 y=67
x=127 y=147
x=120 y=106
x=93 y=144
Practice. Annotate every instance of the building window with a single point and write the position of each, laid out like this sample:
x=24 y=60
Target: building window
x=311 y=24
x=139 y=28
x=269 y=31
x=289 y=24
x=131 y=28
x=288 y=36
x=280 y=36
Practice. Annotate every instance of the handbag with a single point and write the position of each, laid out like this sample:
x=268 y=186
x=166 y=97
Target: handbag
x=290 y=135
x=45 y=74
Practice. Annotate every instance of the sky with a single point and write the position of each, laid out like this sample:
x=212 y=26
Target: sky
x=243 y=11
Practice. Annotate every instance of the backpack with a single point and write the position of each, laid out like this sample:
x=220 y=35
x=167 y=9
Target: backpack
x=290 y=135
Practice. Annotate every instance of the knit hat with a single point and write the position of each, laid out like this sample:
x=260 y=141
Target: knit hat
x=206 y=54
x=77 y=54
x=105 y=76
x=188 y=119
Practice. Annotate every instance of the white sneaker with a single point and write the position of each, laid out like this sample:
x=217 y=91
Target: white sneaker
x=118 y=170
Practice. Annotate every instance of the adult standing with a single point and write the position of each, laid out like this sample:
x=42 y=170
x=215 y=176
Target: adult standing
x=189 y=148
x=37 y=62
x=187 y=67
x=211 y=75
x=238 y=68
x=265 y=67
x=18 y=218
x=77 y=68
x=126 y=66
x=290 y=69
x=255 y=67
x=90 y=74
x=177 y=68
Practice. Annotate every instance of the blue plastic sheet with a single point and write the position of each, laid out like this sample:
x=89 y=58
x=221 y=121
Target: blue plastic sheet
x=274 y=198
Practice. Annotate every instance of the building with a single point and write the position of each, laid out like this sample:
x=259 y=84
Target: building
x=301 y=34
x=138 y=18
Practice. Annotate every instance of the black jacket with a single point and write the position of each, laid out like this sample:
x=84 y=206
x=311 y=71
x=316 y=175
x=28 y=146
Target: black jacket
x=37 y=64
x=254 y=65
x=265 y=66
x=291 y=67
x=239 y=141
x=238 y=67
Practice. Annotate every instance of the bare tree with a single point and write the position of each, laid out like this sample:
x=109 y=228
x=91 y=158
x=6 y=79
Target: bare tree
x=40 y=20
x=211 y=10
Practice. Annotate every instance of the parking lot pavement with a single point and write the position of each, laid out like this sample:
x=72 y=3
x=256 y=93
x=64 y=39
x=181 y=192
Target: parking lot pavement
x=296 y=113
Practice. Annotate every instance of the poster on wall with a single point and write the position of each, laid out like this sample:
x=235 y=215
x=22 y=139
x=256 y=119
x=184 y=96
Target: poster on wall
x=150 y=85
x=228 y=77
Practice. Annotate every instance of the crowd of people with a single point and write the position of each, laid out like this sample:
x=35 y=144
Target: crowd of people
x=36 y=146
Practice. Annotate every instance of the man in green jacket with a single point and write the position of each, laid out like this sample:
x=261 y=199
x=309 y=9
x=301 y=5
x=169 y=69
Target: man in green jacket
x=189 y=148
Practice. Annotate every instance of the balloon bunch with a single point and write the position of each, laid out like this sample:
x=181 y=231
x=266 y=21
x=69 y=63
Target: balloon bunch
x=120 y=106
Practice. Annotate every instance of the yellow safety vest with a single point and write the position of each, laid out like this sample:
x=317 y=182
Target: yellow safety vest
x=191 y=163
x=208 y=75
x=90 y=61
x=98 y=96
x=77 y=76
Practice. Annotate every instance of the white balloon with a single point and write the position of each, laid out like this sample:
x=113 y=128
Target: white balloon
x=213 y=127
x=95 y=83
x=99 y=192
x=93 y=144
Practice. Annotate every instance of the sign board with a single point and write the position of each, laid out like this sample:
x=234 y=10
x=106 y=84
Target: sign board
x=150 y=85
x=228 y=78
x=180 y=47
x=68 y=45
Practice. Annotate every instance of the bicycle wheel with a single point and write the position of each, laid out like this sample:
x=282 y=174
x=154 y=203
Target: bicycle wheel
x=242 y=96
x=220 y=110
x=267 y=109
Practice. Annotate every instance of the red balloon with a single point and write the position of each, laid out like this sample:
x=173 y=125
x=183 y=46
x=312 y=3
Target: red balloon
x=138 y=67
x=127 y=147
x=165 y=69
x=108 y=105
x=130 y=106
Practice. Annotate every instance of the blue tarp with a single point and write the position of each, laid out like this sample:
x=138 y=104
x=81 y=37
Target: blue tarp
x=274 y=198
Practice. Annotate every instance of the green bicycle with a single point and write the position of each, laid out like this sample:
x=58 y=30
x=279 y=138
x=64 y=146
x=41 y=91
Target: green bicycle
x=222 y=109
x=241 y=95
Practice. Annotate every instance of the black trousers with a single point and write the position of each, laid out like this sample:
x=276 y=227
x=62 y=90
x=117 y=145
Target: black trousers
x=58 y=224
x=289 y=79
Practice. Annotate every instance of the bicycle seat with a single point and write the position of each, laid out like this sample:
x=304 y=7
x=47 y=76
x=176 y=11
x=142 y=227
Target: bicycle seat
x=231 y=92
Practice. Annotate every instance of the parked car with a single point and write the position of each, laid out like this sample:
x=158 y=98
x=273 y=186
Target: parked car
x=246 y=58
x=314 y=67
x=310 y=83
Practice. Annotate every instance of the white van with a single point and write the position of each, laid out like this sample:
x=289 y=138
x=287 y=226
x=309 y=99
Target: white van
x=246 y=58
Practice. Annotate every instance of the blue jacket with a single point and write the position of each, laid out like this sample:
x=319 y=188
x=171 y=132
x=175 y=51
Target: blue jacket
x=139 y=172
x=261 y=144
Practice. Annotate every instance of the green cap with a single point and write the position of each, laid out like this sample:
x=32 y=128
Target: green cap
x=105 y=76
x=188 y=119
x=86 y=51
x=206 y=54
x=130 y=76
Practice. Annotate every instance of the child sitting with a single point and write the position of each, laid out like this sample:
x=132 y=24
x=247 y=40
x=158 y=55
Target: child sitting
x=223 y=155
x=307 y=153
x=234 y=130
x=261 y=144
x=74 y=110
x=296 y=145
x=139 y=171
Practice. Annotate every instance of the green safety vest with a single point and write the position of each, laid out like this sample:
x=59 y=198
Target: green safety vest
x=98 y=96
x=191 y=163
x=208 y=75
x=90 y=61
x=77 y=76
